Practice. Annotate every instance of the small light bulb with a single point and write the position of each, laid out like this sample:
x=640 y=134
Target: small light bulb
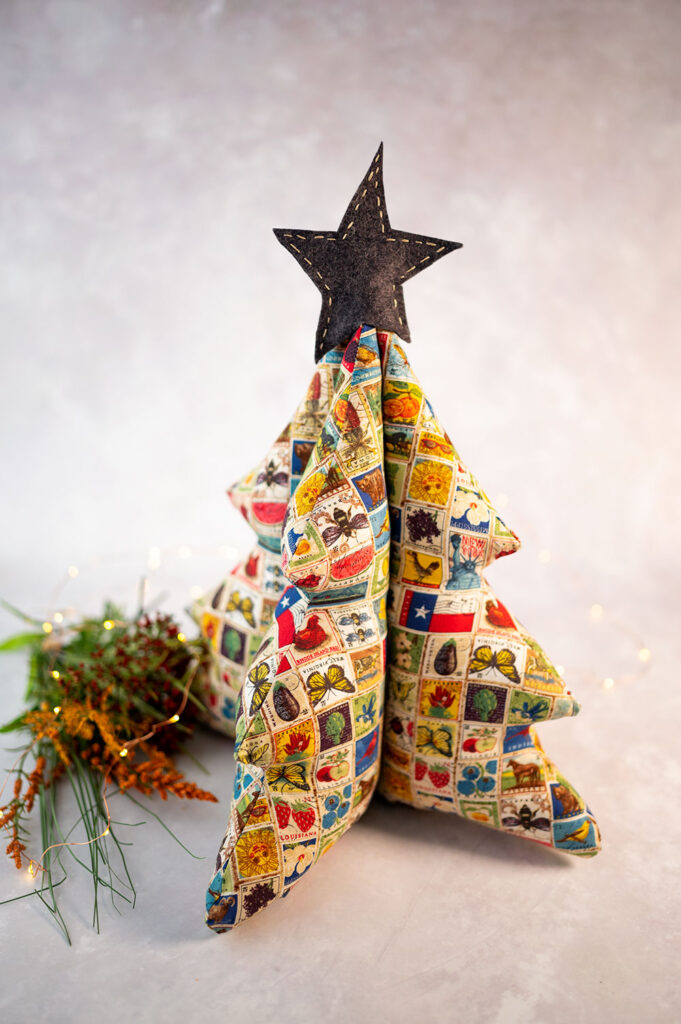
x=596 y=612
x=154 y=558
x=56 y=709
x=108 y=624
x=608 y=683
x=47 y=627
x=106 y=831
x=175 y=718
x=123 y=752
x=55 y=673
x=32 y=870
x=545 y=555
x=181 y=637
x=73 y=571
x=58 y=617
x=645 y=654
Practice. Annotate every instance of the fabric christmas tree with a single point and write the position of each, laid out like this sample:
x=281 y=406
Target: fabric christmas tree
x=466 y=683
x=309 y=726
x=236 y=615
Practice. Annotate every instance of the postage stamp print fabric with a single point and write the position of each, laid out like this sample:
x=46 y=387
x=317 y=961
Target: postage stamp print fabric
x=381 y=648
x=466 y=682
x=308 y=735
x=236 y=615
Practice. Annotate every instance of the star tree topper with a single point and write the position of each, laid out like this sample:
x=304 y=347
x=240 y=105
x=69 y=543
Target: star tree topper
x=361 y=267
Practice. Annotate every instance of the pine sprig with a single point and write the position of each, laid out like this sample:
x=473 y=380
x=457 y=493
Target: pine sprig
x=110 y=702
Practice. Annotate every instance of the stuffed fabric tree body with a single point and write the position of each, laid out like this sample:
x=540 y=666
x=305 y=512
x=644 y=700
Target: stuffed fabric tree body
x=237 y=614
x=466 y=682
x=309 y=728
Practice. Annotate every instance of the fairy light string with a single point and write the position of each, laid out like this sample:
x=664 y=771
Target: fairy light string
x=595 y=612
x=598 y=615
x=55 y=628
x=35 y=866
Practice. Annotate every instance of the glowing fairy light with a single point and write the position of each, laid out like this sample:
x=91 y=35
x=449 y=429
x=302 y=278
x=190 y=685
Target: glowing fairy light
x=47 y=627
x=596 y=612
x=608 y=683
x=123 y=752
x=181 y=637
x=56 y=709
x=55 y=673
x=73 y=571
x=175 y=718
x=108 y=624
x=58 y=617
x=645 y=654
x=154 y=558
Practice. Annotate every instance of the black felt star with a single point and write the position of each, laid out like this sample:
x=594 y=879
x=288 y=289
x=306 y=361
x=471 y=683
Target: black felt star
x=360 y=269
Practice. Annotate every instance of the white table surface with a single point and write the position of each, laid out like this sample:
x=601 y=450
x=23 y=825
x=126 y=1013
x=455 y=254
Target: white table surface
x=154 y=340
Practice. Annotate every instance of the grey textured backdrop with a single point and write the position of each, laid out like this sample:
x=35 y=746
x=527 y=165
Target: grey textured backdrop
x=155 y=338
